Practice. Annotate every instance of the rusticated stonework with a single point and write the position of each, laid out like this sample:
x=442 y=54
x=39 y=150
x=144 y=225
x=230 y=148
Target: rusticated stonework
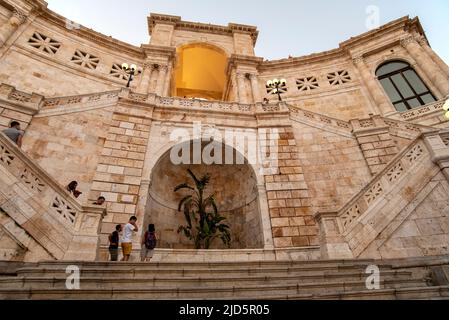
x=342 y=172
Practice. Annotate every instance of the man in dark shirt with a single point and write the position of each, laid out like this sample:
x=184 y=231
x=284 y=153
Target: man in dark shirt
x=114 y=243
x=14 y=133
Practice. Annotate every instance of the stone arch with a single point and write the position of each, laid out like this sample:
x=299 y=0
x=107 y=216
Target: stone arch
x=246 y=206
x=200 y=71
x=210 y=44
x=387 y=59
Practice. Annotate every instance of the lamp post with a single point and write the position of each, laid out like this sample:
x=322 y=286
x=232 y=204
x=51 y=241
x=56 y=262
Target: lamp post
x=446 y=108
x=276 y=87
x=131 y=70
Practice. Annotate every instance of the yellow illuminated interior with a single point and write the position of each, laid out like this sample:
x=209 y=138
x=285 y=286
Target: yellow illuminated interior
x=200 y=72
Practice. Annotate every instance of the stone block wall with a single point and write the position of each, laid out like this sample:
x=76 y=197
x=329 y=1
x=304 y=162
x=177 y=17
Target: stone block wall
x=119 y=172
x=68 y=146
x=375 y=141
x=289 y=199
x=334 y=166
x=425 y=232
x=29 y=74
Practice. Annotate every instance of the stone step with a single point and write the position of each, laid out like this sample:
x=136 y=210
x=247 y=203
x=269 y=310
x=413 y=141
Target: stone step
x=231 y=274
x=181 y=270
x=363 y=263
x=234 y=292
x=419 y=293
x=201 y=281
x=145 y=273
x=249 y=265
x=260 y=263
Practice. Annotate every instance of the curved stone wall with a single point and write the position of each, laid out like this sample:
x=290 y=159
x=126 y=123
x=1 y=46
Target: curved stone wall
x=235 y=191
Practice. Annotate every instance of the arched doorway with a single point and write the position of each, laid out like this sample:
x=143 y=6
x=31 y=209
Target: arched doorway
x=200 y=72
x=236 y=193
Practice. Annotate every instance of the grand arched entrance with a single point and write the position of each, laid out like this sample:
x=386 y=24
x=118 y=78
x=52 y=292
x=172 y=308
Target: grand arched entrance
x=236 y=192
x=200 y=72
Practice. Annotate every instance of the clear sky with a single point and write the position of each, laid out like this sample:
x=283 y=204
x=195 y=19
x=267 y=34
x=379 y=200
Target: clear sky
x=288 y=27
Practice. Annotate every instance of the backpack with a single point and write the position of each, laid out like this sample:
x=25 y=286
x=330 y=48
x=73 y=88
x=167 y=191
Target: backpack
x=150 y=241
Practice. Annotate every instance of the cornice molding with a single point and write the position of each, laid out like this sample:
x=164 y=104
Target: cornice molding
x=303 y=60
x=405 y=24
x=151 y=50
x=179 y=24
x=91 y=35
x=399 y=24
x=240 y=60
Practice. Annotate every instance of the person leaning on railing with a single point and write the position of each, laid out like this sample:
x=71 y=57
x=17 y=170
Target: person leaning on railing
x=71 y=188
x=14 y=133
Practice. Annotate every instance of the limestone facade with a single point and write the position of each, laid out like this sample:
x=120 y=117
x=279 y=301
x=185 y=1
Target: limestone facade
x=352 y=177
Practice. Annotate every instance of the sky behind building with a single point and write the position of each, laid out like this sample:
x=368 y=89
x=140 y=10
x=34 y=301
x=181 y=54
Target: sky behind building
x=289 y=27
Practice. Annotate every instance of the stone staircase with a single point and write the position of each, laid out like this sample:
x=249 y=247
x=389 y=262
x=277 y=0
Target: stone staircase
x=38 y=212
x=418 y=278
x=372 y=216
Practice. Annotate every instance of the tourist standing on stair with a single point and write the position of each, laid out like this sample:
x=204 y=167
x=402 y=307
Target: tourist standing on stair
x=114 y=239
x=14 y=133
x=127 y=239
x=149 y=242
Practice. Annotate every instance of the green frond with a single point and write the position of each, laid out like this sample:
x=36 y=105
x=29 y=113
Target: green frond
x=183 y=186
x=197 y=182
x=184 y=202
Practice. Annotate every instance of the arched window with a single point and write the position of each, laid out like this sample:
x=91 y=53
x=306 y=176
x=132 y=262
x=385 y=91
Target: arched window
x=404 y=86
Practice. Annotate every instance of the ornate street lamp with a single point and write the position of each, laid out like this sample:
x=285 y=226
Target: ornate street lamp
x=277 y=87
x=131 y=70
x=446 y=108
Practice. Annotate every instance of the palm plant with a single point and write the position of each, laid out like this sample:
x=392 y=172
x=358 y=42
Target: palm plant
x=203 y=222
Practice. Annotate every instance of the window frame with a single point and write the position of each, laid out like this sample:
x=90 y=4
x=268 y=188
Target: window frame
x=401 y=72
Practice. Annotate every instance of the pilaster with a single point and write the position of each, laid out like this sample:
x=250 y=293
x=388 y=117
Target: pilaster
x=288 y=195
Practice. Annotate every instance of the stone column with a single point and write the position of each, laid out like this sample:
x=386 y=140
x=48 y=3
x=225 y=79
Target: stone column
x=241 y=87
x=161 y=80
x=436 y=58
x=235 y=86
x=166 y=91
x=255 y=88
x=6 y=31
x=431 y=69
x=380 y=98
x=144 y=84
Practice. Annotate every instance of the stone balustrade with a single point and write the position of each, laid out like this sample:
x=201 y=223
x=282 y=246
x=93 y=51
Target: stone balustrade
x=81 y=99
x=151 y=99
x=380 y=185
x=194 y=104
x=347 y=232
x=32 y=102
x=35 y=201
x=319 y=118
x=426 y=110
x=37 y=102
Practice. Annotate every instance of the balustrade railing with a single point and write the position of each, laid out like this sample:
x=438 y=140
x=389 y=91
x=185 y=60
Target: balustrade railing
x=44 y=189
